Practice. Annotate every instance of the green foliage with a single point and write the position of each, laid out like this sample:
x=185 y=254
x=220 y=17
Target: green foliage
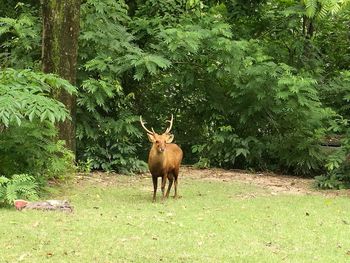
x=320 y=8
x=106 y=130
x=220 y=85
x=253 y=84
x=288 y=117
x=107 y=135
x=33 y=148
x=85 y=166
x=106 y=46
x=335 y=179
x=28 y=113
x=336 y=93
x=222 y=148
x=19 y=186
x=337 y=174
x=20 y=38
x=25 y=94
x=104 y=35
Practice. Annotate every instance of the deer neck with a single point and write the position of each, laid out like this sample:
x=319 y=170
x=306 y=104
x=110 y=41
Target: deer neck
x=157 y=158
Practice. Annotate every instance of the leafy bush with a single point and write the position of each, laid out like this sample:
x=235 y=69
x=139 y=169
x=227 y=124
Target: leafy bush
x=28 y=141
x=20 y=38
x=335 y=179
x=222 y=148
x=235 y=103
x=26 y=94
x=336 y=93
x=33 y=148
x=19 y=186
x=107 y=135
x=337 y=167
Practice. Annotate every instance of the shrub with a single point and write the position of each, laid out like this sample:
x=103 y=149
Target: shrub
x=108 y=138
x=20 y=37
x=337 y=174
x=19 y=186
x=25 y=94
x=28 y=113
x=32 y=148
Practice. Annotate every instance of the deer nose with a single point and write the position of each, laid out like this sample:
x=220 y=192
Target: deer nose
x=161 y=149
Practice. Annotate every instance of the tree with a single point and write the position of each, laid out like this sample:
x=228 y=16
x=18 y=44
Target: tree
x=59 y=54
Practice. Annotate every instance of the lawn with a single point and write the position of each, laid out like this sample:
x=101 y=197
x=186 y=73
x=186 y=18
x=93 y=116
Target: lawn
x=215 y=221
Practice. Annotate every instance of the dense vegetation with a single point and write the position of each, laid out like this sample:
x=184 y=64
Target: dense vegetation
x=257 y=84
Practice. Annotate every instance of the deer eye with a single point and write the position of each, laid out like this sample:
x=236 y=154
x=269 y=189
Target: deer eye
x=157 y=141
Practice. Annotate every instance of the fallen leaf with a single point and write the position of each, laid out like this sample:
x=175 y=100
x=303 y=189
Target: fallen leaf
x=22 y=257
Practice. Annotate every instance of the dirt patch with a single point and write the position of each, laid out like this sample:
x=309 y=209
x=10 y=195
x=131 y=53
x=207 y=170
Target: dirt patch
x=274 y=183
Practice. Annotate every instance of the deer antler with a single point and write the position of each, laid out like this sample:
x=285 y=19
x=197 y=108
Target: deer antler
x=171 y=124
x=143 y=126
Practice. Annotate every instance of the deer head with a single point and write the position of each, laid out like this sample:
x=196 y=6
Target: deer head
x=159 y=140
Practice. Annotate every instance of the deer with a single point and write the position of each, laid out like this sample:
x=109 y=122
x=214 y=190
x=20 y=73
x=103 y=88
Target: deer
x=164 y=159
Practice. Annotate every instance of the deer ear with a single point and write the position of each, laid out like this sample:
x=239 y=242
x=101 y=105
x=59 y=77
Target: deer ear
x=170 y=138
x=151 y=138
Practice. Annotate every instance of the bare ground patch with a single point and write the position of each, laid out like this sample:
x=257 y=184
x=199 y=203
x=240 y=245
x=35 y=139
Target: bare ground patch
x=274 y=183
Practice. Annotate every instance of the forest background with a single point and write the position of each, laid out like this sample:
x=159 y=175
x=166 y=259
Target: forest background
x=257 y=85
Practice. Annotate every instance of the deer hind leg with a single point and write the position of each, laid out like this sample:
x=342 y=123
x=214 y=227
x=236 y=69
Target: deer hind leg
x=176 y=174
x=171 y=179
x=155 y=184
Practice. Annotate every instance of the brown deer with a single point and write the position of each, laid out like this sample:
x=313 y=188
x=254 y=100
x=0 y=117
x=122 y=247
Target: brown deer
x=164 y=159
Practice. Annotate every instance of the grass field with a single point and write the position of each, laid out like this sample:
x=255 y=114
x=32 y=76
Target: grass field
x=214 y=221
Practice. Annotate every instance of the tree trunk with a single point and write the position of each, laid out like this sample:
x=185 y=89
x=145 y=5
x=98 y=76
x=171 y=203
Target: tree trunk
x=308 y=27
x=132 y=4
x=59 y=54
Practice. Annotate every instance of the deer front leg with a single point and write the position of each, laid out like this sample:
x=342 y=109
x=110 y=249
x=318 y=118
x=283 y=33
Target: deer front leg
x=171 y=179
x=155 y=184
x=163 y=185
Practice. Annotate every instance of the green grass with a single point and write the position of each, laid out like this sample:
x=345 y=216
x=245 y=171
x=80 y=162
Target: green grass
x=215 y=221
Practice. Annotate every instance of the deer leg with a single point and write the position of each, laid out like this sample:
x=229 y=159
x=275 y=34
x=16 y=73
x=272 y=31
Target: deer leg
x=175 y=183
x=155 y=183
x=171 y=179
x=163 y=185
